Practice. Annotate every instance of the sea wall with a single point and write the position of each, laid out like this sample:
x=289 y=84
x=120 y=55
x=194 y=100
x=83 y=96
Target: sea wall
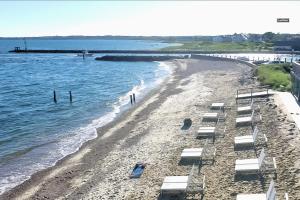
x=138 y=58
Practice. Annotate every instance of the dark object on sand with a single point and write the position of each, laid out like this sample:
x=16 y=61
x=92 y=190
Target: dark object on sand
x=187 y=123
x=137 y=170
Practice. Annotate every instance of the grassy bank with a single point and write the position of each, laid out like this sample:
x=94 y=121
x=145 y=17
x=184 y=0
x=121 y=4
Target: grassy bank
x=275 y=75
x=222 y=46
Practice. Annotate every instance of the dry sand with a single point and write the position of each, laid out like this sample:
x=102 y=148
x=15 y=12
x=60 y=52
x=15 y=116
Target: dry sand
x=151 y=132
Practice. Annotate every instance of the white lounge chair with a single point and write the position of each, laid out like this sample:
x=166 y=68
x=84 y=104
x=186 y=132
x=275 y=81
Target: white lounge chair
x=218 y=106
x=245 y=120
x=250 y=165
x=245 y=109
x=174 y=184
x=211 y=116
x=206 y=130
x=247 y=139
x=192 y=153
x=270 y=195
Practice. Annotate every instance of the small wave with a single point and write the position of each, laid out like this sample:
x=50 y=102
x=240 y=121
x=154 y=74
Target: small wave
x=139 y=90
x=167 y=67
x=163 y=71
x=19 y=153
x=36 y=158
x=120 y=105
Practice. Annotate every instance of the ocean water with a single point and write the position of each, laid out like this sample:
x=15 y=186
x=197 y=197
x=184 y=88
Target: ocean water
x=34 y=131
x=6 y=45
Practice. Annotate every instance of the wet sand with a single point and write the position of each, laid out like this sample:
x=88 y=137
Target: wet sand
x=151 y=132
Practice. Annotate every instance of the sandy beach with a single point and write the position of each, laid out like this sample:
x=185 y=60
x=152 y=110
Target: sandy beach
x=151 y=132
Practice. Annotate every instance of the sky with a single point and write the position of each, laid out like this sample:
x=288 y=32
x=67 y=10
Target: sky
x=146 y=18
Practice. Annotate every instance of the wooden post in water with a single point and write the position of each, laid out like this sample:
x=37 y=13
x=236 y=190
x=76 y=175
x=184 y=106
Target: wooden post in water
x=83 y=55
x=54 y=96
x=131 y=99
x=71 y=98
x=133 y=96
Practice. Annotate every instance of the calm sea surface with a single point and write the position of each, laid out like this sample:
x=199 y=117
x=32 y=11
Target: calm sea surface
x=34 y=131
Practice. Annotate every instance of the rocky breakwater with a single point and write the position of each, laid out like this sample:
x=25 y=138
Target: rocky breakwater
x=139 y=58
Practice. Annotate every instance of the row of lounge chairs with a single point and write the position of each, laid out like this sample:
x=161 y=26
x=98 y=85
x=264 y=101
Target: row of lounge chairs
x=254 y=165
x=217 y=117
x=257 y=165
x=185 y=184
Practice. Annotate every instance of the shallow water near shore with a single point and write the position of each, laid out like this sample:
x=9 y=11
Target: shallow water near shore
x=35 y=132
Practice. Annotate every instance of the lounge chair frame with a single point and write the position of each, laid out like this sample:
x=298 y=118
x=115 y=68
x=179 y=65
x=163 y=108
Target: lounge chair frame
x=269 y=195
